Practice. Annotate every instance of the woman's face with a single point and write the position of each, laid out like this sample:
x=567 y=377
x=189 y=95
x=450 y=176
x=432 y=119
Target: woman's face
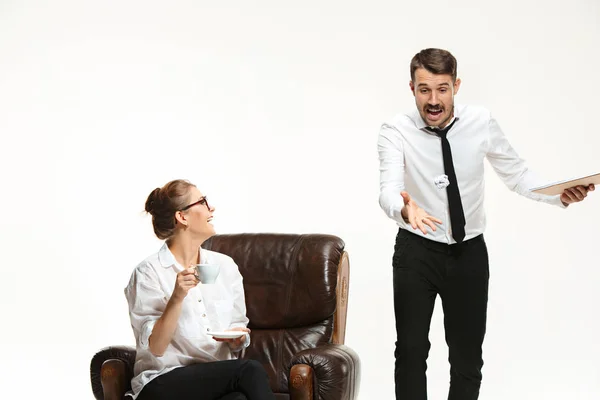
x=198 y=215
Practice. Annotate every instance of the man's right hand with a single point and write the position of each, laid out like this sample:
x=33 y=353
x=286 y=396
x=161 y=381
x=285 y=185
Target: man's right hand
x=184 y=282
x=416 y=216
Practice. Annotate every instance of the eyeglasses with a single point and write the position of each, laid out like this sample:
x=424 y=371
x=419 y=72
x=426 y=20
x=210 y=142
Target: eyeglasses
x=203 y=200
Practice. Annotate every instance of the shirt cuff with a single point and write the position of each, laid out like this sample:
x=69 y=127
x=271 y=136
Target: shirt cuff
x=247 y=341
x=555 y=200
x=243 y=346
x=396 y=213
x=145 y=333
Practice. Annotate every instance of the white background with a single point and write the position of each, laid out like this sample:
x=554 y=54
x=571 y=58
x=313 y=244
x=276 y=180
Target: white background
x=273 y=110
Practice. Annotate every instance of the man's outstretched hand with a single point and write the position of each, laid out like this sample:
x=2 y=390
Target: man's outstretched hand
x=416 y=216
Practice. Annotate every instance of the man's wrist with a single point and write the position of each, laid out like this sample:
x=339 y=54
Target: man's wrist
x=403 y=214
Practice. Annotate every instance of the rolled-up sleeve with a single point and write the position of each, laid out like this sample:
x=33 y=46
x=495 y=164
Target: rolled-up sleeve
x=238 y=317
x=146 y=302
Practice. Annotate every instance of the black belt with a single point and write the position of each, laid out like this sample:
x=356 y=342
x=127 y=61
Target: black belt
x=439 y=246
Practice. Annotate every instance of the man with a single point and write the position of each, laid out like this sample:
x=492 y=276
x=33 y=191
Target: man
x=432 y=185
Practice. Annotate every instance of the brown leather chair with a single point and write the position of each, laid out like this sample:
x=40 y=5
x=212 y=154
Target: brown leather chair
x=297 y=297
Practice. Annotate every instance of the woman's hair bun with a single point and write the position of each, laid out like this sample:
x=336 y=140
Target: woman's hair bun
x=152 y=201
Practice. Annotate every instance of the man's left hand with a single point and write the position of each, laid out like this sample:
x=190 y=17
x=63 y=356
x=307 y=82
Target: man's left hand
x=576 y=194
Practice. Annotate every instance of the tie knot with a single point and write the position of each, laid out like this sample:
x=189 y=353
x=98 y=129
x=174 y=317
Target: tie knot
x=440 y=132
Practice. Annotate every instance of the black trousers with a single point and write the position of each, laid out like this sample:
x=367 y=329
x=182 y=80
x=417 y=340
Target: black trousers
x=459 y=273
x=220 y=380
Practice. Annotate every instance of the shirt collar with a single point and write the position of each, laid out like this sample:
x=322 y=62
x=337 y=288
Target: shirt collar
x=167 y=259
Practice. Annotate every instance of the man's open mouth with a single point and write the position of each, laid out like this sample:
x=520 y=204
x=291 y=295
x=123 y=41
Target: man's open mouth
x=434 y=112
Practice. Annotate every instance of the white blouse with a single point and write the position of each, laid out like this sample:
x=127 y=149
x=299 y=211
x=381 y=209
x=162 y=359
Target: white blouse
x=207 y=307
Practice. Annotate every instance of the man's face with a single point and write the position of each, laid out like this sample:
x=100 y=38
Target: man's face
x=434 y=95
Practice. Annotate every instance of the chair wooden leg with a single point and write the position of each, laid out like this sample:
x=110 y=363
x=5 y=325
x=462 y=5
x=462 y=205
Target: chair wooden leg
x=113 y=378
x=301 y=382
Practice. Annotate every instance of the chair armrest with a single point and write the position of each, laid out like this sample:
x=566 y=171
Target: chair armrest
x=331 y=371
x=111 y=371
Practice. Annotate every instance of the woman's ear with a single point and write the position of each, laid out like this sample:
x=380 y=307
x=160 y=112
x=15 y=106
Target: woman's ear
x=181 y=218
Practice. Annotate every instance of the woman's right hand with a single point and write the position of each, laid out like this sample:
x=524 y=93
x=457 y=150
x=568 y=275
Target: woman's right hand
x=184 y=282
x=164 y=328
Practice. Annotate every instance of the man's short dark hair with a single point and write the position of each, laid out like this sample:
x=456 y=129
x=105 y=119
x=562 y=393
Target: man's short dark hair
x=436 y=61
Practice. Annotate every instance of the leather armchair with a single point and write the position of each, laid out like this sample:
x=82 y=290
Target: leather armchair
x=296 y=289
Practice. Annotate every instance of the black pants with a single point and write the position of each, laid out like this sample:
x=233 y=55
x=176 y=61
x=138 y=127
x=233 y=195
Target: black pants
x=459 y=273
x=220 y=380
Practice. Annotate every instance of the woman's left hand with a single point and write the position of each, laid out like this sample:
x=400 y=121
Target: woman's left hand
x=236 y=342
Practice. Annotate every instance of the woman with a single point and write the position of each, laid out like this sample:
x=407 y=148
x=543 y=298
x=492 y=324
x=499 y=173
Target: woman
x=172 y=316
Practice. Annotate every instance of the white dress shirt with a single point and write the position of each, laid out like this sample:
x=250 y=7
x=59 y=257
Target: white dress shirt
x=411 y=159
x=215 y=307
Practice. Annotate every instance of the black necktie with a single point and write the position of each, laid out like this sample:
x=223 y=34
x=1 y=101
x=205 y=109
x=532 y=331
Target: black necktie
x=457 y=214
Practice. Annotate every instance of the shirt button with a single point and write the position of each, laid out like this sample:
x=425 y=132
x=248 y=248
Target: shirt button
x=203 y=315
x=199 y=300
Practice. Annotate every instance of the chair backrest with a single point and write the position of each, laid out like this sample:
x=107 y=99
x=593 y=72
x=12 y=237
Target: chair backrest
x=296 y=289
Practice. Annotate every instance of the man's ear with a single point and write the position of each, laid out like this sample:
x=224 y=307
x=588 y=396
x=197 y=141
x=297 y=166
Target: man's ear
x=412 y=87
x=456 y=85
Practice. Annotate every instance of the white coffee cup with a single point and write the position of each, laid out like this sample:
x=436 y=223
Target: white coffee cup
x=207 y=273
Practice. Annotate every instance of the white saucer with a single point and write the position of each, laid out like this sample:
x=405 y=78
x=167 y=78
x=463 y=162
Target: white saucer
x=226 y=334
